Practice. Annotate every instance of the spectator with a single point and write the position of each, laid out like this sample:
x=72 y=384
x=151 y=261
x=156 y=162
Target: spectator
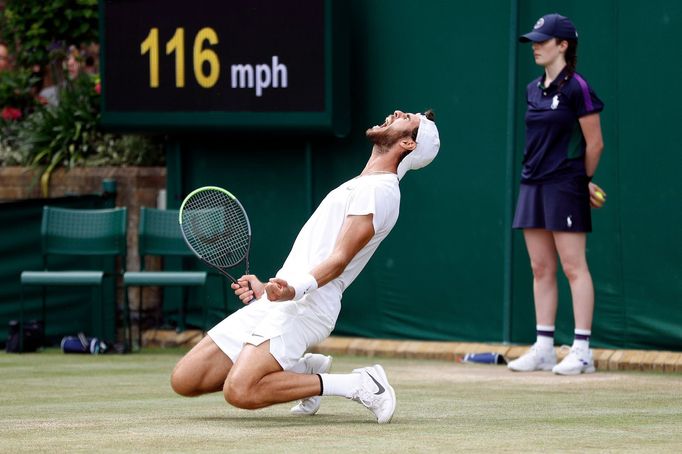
x=49 y=91
x=91 y=59
x=73 y=63
x=5 y=62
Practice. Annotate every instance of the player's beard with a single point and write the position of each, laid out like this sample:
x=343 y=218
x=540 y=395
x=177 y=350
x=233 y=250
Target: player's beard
x=383 y=138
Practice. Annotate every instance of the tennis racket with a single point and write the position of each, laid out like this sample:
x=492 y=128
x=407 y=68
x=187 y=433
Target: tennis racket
x=216 y=228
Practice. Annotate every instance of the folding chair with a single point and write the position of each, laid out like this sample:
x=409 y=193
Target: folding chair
x=77 y=232
x=159 y=235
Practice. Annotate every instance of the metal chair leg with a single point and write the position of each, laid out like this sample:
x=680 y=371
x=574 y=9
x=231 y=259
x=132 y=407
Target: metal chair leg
x=21 y=322
x=127 y=329
x=139 y=319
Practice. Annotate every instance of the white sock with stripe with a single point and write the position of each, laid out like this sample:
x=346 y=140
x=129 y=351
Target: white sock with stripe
x=582 y=339
x=545 y=337
x=340 y=384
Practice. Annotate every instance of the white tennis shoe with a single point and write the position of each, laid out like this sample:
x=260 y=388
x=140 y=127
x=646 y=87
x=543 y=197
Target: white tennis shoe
x=578 y=361
x=315 y=364
x=534 y=359
x=376 y=393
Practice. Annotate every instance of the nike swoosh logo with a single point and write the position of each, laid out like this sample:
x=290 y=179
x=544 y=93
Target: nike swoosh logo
x=381 y=388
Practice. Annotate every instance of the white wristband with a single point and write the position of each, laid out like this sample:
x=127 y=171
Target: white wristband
x=303 y=284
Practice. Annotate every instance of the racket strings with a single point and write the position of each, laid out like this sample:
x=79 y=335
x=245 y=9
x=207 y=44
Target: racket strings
x=217 y=228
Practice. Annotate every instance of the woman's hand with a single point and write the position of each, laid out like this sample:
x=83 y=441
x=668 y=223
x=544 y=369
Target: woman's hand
x=597 y=196
x=248 y=287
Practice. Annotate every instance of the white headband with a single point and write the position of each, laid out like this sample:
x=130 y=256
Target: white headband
x=428 y=144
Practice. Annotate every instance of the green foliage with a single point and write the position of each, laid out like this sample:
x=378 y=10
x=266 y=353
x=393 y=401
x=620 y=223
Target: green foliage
x=10 y=152
x=67 y=134
x=16 y=89
x=62 y=134
x=39 y=26
x=121 y=150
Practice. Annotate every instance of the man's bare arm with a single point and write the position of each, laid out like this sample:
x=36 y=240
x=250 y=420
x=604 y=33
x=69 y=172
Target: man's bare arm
x=355 y=234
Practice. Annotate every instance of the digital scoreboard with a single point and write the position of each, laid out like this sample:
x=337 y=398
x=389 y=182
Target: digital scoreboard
x=169 y=65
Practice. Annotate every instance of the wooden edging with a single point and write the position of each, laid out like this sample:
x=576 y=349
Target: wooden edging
x=642 y=360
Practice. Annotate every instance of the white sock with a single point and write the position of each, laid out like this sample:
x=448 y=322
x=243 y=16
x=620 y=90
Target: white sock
x=582 y=340
x=544 y=341
x=340 y=384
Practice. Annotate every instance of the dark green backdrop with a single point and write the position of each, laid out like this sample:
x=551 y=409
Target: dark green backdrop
x=453 y=269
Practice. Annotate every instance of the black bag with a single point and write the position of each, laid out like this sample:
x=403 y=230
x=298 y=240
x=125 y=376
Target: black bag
x=33 y=336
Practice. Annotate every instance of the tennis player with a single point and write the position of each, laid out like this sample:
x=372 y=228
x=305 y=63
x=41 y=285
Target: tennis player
x=563 y=147
x=256 y=355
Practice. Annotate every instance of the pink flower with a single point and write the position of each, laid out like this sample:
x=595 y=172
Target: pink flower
x=98 y=88
x=11 y=114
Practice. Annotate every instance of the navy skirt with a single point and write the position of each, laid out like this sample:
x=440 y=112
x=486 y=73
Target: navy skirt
x=558 y=206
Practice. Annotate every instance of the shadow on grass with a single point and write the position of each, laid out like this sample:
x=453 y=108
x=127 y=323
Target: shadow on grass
x=280 y=421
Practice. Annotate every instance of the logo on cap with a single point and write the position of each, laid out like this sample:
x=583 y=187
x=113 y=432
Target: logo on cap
x=539 y=23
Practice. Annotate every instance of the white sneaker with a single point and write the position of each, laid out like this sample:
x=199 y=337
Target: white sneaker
x=534 y=359
x=578 y=361
x=375 y=393
x=315 y=364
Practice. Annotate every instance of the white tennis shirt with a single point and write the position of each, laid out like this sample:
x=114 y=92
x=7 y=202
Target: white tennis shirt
x=378 y=195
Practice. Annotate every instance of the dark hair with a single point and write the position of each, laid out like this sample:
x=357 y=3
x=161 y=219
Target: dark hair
x=571 y=55
x=429 y=114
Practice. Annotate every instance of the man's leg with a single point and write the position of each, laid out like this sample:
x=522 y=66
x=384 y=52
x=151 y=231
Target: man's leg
x=368 y=386
x=310 y=363
x=202 y=370
x=257 y=380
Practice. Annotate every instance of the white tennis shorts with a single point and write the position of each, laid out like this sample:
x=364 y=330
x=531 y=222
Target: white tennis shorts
x=291 y=327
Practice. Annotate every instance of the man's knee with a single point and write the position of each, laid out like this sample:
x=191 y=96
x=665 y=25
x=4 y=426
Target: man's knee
x=239 y=395
x=202 y=370
x=184 y=382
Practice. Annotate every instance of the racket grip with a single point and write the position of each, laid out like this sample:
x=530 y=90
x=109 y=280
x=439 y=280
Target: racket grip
x=254 y=296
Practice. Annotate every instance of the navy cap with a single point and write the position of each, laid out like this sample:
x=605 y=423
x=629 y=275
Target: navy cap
x=551 y=26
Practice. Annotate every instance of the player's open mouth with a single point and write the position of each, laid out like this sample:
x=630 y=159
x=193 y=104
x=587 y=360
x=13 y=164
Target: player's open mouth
x=385 y=123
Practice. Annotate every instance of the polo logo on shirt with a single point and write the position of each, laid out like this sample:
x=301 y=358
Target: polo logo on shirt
x=555 y=102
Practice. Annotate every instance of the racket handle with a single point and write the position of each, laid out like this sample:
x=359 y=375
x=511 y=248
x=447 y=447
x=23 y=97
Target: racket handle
x=254 y=297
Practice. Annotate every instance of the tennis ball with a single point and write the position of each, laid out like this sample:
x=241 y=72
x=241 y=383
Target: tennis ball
x=600 y=198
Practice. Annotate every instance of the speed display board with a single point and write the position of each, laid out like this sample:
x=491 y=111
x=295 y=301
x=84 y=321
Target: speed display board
x=223 y=64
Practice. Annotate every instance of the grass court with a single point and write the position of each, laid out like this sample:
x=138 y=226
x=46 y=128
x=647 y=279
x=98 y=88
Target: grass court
x=52 y=402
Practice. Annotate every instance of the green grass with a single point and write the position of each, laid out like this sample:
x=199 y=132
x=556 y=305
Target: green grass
x=53 y=402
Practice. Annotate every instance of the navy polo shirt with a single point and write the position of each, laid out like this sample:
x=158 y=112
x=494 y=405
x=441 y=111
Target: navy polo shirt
x=555 y=146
